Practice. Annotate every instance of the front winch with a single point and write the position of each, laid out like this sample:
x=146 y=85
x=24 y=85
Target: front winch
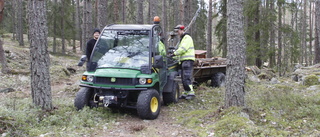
x=107 y=100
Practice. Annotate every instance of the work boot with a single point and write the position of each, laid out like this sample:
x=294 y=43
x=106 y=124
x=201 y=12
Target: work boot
x=184 y=94
x=190 y=95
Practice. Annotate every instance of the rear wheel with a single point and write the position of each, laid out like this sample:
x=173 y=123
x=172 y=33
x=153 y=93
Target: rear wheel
x=83 y=98
x=171 y=97
x=218 y=80
x=148 y=104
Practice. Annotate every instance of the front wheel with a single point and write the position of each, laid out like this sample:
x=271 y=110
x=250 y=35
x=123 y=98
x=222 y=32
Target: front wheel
x=148 y=104
x=83 y=98
x=173 y=96
x=218 y=80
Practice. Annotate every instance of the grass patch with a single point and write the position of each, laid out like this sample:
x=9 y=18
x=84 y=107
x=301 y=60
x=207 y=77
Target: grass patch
x=26 y=120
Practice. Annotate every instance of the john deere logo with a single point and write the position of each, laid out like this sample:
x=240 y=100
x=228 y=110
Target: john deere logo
x=113 y=79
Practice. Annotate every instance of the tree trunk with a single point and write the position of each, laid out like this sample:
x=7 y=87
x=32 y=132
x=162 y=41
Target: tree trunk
x=87 y=23
x=317 y=31
x=224 y=31
x=181 y=12
x=40 y=60
x=54 y=44
x=20 y=22
x=279 y=62
x=164 y=21
x=150 y=11
x=272 y=57
x=3 y=60
x=84 y=26
x=62 y=27
x=124 y=8
x=74 y=30
x=209 y=31
x=140 y=11
x=102 y=13
x=310 y=33
x=13 y=16
x=154 y=10
x=304 y=35
x=265 y=31
x=116 y=11
x=258 y=60
x=186 y=12
x=236 y=55
x=95 y=14
x=78 y=21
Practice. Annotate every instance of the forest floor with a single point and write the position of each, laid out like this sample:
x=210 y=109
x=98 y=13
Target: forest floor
x=281 y=108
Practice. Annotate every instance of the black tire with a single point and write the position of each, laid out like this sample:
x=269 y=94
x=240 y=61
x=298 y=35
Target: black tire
x=148 y=104
x=172 y=97
x=218 y=80
x=83 y=98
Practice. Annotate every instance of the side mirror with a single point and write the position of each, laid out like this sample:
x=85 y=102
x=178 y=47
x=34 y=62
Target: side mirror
x=92 y=66
x=158 y=61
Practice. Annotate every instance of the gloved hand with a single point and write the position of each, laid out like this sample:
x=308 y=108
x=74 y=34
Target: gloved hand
x=170 y=55
x=82 y=60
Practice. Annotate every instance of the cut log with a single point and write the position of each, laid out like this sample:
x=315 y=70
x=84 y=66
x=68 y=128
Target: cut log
x=209 y=61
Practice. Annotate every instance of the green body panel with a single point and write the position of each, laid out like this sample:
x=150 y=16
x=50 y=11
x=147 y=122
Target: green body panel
x=121 y=73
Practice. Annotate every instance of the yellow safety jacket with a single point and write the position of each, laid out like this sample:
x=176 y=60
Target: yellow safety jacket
x=185 y=49
x=162 y=49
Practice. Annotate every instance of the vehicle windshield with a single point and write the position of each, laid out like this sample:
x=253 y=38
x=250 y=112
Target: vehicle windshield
x=122 y=49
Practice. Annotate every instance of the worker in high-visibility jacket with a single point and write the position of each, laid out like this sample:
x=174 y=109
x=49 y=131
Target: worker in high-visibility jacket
x=162 y=49
x=185 y=53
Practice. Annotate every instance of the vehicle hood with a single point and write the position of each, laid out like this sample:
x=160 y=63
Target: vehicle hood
x=115 y=72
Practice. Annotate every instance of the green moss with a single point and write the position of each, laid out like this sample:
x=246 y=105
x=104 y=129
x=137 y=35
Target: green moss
x=311 y=80
x=230 y=124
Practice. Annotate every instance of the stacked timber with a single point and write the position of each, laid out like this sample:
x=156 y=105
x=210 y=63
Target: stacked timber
x=210 y=61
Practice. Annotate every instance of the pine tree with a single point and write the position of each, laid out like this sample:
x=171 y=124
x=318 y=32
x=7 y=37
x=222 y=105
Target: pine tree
x=102 y=13
x=3 y=60
x=236 y=55
x=62 y=24
x=221 y=28
x=78 y=23
x=209 y=31
x=40 y=60
x=20 y=22
x=317 y=32
x=140 y=12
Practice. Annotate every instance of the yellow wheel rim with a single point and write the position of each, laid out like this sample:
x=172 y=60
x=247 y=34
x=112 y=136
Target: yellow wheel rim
x=154 y=104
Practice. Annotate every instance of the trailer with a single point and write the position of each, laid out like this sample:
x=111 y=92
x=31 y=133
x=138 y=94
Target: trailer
x=205 y=69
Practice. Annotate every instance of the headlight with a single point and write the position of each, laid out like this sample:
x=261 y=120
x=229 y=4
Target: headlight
x=142 y=81
x=89 y=78
x=84 y=78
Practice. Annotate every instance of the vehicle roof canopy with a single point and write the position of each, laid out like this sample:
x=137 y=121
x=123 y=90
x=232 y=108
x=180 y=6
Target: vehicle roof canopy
x=130 y=26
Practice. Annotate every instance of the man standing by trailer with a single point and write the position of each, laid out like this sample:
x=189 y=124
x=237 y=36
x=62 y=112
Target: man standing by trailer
x=185 y=53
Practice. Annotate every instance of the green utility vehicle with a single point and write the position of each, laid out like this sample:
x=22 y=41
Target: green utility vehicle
x=129 y=68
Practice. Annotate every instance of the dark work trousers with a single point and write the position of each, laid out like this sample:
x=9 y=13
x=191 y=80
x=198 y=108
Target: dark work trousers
x=186 y=73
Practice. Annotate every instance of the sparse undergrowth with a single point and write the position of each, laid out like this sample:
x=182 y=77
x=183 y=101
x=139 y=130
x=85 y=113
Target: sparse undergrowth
x=23 y=119
x=285 y=109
